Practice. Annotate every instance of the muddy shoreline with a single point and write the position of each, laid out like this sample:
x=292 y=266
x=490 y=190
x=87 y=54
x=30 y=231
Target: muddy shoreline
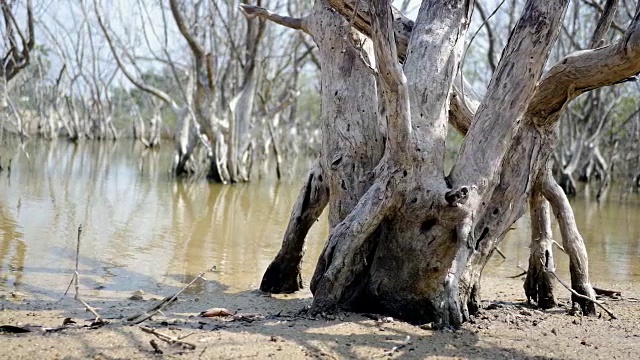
x=506 y=328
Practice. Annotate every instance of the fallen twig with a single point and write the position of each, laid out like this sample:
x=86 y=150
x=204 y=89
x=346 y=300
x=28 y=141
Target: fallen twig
x=75 y=274
x=517 y=276
x=98 y=318
x=156 y=348
x=605 y=292
x=137 y=319
x=167 y=338
x=501 y=253
x=575 y=293
x=406 y=342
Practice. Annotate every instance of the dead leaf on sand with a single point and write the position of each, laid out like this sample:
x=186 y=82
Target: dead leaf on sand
x=216 y=312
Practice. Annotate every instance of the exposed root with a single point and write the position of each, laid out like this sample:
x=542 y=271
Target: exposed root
x=342 y=259
x=572 y=242
x=283 y=274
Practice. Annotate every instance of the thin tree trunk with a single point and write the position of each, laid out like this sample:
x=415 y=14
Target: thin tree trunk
x=539 y=284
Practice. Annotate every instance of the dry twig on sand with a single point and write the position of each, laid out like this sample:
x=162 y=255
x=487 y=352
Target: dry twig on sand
x=137 y=319
x=167 y=338
x=609 y=312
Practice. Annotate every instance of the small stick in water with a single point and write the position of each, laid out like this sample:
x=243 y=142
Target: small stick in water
x=75 y=280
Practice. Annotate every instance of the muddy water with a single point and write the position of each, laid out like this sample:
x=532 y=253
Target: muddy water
x=144 y=230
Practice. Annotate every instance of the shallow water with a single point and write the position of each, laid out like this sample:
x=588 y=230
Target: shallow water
x=144 y=230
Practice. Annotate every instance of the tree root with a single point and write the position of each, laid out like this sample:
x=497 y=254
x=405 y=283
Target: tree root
x=572 y=242
x=342 y=259
x=283 y=274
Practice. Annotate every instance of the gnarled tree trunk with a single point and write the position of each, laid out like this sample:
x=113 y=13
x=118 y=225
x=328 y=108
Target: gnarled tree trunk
x=409 y=241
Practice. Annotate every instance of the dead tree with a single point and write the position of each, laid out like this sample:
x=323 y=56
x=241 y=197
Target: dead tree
x=17 y=45
x=407 y=239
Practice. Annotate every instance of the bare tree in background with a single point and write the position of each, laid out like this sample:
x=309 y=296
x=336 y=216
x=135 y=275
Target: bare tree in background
x=17 y=43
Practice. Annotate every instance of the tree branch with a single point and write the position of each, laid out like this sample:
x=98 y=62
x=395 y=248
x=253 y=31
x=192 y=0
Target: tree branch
x=402 y=25
x=586 y=70
x=182 y=26
x=606 y=19
x=141 y=85
x=15 y=59
x=509 y=93
x=252 y=11
x=393 y=84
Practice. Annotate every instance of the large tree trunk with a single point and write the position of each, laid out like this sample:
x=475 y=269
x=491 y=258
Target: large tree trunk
x=412 y=242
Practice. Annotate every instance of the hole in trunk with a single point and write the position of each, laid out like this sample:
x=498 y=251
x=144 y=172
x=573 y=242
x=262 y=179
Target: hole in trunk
x=427 y=225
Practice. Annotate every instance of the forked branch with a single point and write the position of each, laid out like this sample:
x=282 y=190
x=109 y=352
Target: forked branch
x=121 y=65
x=17 y=56
x=252 y=11
x=586 y=70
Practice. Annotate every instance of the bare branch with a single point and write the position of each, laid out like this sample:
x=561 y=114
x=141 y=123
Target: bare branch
x=509 y=93
x=606 y=19
x=140 y=84
x=394 y=83
x=15 y=58
x=586 y=70
x=182 y=26
x=252 y=11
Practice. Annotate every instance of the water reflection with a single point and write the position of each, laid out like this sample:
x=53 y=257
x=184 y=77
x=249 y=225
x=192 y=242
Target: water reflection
x=145 y=230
